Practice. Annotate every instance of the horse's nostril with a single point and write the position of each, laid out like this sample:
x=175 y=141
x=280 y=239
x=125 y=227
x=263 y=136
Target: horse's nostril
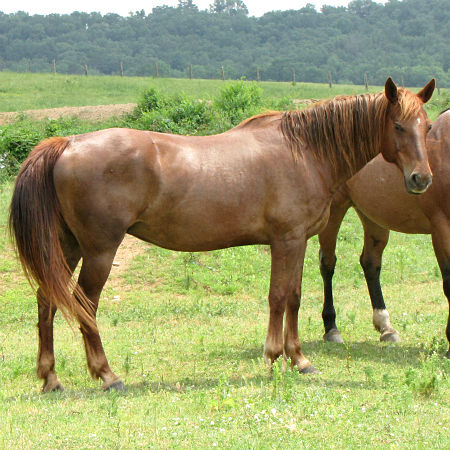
x=416 y=178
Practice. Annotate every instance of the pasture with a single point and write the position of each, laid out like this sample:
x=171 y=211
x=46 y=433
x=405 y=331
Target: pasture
x=20 y=92
x=185 y=332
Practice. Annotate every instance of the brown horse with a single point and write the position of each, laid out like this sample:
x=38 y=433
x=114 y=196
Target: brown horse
x=270 y=181
x=382 y=204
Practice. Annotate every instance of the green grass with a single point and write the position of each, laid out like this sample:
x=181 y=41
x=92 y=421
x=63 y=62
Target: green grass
x=187 y=339
x=23 y=91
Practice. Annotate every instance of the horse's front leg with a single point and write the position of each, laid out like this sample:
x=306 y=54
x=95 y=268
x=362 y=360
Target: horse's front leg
x=327 y=257
x=441 y=243
x=375 y=241
x=284 y=296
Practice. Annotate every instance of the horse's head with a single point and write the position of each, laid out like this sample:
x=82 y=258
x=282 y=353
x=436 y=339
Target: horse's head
x=406 y=129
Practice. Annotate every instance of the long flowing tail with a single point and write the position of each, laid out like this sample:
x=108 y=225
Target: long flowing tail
x=35 y=220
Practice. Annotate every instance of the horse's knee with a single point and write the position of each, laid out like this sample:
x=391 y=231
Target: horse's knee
x=370 y=268
x=327 y=264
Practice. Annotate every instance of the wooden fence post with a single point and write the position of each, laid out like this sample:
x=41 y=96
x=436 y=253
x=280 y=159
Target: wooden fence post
x=54 y=66
x=438 y=86
x=258 y=75
x=330 y=80
x=121 y=68
x=223 y=74
x=156 y=70
x=293 y=76
x=366 y=82
x=403 y=82
x=190 y=71
x=29 y=65
x=85 y=68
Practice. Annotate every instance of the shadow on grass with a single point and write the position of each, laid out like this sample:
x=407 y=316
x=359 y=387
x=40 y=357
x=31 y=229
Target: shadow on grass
x=366 y=351
x=360 y=352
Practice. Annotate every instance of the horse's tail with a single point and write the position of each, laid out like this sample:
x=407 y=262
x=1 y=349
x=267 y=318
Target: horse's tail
x=35 y=222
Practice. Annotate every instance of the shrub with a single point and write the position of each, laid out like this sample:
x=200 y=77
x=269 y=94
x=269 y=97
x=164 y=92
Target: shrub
x=18 y=138
x=170 y=114
x=239 y=100
x=16 y=141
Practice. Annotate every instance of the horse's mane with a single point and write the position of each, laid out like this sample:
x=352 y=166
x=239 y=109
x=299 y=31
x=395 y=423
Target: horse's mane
x=346 y=130
x=442 y=112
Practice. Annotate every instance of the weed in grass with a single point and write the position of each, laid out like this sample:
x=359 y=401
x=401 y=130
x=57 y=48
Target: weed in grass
x=222 y=399
x=386 y=380
x=284 y=380
x=427 y=379
x=370 y=375
x=127 y=364
x=189 y=260
x=351 y=316
x=437 y=346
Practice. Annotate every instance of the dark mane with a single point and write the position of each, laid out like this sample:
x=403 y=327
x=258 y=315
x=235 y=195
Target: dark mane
x=346 y=130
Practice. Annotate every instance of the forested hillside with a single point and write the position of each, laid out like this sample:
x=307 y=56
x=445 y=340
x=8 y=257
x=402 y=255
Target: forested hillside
x=408 y=40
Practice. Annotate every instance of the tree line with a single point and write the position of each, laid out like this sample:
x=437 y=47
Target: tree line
x=407 y=40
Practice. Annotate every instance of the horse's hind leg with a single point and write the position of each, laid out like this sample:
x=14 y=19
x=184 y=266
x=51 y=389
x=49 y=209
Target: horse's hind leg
x=375 y=241
x=327 y=257
x=93 y=275
x=46 y=313
x=441 y=243
x=46 y=358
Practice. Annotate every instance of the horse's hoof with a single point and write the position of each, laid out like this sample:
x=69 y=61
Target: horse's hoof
x=116 y=386
x=390 y=336
x=333 y=336
x=54 y=387
x=308 y=369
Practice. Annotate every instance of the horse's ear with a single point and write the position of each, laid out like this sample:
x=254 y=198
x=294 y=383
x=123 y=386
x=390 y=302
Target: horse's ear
x=390 y=90
x=426 y=93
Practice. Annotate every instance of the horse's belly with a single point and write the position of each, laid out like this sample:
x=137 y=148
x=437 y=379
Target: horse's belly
x=395 y=212
x=192 y=236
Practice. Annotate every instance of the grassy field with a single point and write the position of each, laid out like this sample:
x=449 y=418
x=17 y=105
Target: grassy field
x=185 y=332
x=23 y=91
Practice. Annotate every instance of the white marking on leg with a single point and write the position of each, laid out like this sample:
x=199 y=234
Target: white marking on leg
x=381 y=320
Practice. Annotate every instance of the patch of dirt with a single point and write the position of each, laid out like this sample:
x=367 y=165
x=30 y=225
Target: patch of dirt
x=304 y=101
x=91 y=113
x=128 y=250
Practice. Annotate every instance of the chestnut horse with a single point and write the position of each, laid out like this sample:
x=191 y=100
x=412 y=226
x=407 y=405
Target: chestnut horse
x=269 y=180
x=377 y=194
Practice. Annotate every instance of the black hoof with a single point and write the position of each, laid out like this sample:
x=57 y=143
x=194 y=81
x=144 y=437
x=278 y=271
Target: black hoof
x=333 y=336
x=309 y=369
x=117 y=386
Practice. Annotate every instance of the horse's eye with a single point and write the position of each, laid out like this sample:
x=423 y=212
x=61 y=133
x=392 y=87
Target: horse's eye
x=429 y=126
x=398 y=127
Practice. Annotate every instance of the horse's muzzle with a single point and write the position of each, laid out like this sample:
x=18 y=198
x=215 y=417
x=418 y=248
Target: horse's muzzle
x=417 y=183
